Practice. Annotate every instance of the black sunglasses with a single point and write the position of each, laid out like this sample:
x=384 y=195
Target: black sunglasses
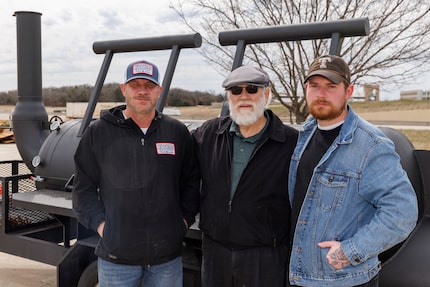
x=236 y=90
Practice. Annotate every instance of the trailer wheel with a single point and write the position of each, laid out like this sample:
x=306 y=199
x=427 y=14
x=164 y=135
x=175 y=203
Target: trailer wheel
x=89 y=277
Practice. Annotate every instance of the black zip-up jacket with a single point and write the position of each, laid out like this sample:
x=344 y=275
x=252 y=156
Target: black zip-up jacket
x=259 y=213
x=143 y=186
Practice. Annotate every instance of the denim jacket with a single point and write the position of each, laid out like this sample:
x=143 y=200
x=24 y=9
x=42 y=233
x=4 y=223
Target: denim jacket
x=358 y=195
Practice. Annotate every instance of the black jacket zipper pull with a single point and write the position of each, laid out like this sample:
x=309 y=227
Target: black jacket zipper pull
x=229 y=206
x=142 y=141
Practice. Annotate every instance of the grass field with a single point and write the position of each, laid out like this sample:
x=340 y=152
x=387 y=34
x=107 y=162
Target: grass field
x=419 y=138
x=417 y=110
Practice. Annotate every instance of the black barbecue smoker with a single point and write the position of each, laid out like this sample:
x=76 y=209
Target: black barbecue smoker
x=37 y=221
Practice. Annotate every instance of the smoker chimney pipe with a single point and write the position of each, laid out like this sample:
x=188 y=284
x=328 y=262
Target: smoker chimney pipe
x=29 y=116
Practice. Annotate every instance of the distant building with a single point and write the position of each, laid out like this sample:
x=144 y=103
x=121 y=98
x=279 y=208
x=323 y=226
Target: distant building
x=356 y=98
x=370 y=93
x=415 y=95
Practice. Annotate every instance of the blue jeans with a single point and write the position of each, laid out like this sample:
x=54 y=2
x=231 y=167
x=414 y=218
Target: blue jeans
x=167 y=274
x=372 y=283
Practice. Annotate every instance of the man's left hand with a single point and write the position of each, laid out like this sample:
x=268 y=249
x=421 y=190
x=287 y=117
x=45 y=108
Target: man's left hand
x=335 y=256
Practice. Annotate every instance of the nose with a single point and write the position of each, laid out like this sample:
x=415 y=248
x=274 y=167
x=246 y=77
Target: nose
x=322 y=92
x=144 y=89
x=244 y=94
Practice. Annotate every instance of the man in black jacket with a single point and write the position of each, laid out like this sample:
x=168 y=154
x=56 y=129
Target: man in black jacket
x=244 y=162
x=137 y=186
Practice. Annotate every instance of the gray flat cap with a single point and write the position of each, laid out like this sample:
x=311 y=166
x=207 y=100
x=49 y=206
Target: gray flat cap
x=246 y=75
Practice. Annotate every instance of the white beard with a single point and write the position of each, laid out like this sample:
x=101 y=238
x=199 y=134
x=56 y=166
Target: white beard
x=246 y=117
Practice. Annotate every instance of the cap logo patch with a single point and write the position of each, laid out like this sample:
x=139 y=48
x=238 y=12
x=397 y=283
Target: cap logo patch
x=323 y=62
x=142 y=68
x=165 y=148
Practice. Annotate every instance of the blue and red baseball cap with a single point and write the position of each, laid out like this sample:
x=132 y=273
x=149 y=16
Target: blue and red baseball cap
x=142 y=70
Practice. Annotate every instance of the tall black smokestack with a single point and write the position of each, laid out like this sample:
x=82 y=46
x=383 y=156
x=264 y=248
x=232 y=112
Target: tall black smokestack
x=29 y=116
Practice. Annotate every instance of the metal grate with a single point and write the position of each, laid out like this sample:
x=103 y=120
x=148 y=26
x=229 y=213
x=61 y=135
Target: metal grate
x=18 y=218
x=6 y=168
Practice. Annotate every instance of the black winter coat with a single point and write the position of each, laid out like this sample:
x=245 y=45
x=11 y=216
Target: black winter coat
x=259 y=213
x=142 y=185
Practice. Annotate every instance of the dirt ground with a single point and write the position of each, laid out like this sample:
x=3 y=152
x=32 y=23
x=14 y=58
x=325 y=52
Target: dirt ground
x=405 y=116
x=20 y=272
x=411 y=116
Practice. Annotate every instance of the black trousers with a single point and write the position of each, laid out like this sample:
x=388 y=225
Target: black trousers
x=251 y=267
x=371 y=283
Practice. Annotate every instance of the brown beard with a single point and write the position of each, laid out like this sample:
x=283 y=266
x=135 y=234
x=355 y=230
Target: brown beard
x=327 y=112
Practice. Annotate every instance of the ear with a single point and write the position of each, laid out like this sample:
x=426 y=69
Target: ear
x=349 y=91
x=268 y=96
x=227 y=95
x=160 y=90
x=122 y=87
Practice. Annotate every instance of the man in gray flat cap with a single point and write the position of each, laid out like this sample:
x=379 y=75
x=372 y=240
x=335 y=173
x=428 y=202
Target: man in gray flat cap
x=244 y=161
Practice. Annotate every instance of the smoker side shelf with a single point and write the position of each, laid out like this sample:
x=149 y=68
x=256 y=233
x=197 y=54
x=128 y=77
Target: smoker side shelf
x=47 y=200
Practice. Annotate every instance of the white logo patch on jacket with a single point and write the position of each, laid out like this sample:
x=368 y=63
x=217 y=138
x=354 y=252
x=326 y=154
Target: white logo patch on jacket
x=165 y=148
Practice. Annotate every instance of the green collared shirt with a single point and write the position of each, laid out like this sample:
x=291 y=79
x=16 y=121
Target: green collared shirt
x=242 y=151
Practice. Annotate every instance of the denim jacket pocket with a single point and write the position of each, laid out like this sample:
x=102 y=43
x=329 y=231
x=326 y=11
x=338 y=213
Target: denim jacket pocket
x=331 y=189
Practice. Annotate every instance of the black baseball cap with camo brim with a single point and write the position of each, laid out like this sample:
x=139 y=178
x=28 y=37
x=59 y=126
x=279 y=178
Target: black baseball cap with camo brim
x=332 y=67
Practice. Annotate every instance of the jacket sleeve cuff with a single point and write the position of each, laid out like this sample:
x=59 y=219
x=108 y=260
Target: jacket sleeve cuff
x=354 y=257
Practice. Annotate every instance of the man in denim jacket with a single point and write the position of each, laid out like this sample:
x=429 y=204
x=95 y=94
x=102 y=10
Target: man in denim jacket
x=351 y=199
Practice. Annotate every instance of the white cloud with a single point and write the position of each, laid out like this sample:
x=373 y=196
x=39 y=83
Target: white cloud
x=69 y=31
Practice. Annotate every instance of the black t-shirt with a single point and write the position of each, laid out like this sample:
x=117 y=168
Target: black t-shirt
x=318 y=145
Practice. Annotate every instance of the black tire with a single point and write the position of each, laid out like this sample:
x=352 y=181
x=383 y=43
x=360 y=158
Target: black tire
x=89 y=277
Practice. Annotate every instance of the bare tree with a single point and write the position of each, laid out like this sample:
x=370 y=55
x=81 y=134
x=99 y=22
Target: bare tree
x=396 y=50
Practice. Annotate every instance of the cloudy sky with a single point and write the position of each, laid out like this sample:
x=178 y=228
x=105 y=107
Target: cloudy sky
x=70 y=28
